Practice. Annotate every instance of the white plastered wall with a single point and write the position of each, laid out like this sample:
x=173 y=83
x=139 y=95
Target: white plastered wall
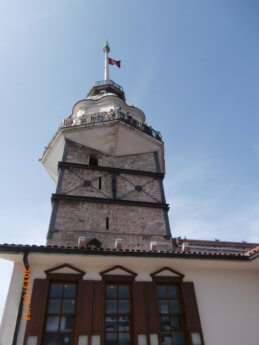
x=228 y=304
x=227 y=291
x=11 y=306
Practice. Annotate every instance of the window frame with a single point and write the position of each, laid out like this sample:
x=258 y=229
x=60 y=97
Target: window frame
x=120 y=280
x=65 y=278
x=174 y=280
x=174 y=283
x=108 y=277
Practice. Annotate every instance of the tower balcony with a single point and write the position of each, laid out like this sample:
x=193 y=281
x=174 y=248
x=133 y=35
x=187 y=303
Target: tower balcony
x=105 y=117
x=108 y=82
x=111 y=132
x=111 y=116
x=107 y=86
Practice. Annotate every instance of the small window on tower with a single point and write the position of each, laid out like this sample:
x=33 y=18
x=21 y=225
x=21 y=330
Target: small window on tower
x=138 y=188
x=100 y=183
x=93 y=160
x=87 y=183
x=107 y=223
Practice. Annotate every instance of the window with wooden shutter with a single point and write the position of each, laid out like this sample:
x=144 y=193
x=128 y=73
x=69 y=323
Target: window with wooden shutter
x=60 y=314
x=171 y=314
x=35 y=325
x=90 y=312
x=178 y=309
x=193 y=322
x=118 y=314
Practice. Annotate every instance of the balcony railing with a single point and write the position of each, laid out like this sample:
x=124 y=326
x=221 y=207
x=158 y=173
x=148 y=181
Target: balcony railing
x=105 y=117
x=108 y=82
x=110 y=116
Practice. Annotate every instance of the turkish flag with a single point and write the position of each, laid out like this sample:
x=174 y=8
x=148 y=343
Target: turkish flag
x=115 y=62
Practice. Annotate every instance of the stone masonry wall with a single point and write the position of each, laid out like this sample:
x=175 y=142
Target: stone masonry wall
x=136 y=225
x=131 y=223
x=74 y=184
x=80 y=154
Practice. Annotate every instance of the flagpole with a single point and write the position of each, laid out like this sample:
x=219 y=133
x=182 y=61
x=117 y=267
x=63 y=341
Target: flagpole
x=106 y=50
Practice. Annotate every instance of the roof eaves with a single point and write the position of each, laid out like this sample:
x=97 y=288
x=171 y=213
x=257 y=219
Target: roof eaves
x=114 y=252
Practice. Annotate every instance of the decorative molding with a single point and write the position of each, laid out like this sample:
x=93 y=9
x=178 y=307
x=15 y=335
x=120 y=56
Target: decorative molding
x=109 y=201
x=111 y=274
x=175 y=275
x=75 y=271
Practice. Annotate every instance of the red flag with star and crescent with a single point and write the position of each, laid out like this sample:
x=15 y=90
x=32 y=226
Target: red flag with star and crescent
x=115 y=62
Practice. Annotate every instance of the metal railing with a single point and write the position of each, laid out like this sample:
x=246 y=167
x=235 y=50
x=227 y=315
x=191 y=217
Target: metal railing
x=104 y=117
x=108 y=82
x=110 y=116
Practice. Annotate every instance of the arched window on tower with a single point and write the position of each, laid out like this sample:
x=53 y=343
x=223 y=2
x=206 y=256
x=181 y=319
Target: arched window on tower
x=93 y=160
x=94 y=243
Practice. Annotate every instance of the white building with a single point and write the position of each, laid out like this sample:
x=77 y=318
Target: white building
x=110 y=273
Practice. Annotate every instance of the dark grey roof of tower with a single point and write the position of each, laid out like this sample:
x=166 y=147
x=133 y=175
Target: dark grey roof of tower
x=106 y=86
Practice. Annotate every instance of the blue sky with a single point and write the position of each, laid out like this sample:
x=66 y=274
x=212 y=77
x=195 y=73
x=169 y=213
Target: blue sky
x=191 y=66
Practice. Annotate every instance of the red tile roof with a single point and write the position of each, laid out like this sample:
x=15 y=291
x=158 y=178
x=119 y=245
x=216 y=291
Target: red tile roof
x=252 y=251
x=216 y=247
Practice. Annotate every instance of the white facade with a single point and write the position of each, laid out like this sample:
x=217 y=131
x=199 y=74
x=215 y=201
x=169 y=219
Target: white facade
x=227 y=291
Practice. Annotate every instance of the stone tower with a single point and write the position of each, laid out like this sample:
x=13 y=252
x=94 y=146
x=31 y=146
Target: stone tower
x=109 y=166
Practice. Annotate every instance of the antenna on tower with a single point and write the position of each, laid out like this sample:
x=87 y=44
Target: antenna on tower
x=106 y=50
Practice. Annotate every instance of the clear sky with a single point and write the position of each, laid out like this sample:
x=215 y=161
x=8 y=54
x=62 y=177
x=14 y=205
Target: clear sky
x=191 y=66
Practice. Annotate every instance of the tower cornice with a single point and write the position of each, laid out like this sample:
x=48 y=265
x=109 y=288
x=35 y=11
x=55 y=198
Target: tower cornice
x=109 y=201
x=111 y=169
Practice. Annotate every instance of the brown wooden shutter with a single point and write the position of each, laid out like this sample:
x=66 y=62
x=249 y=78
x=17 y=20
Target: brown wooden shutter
x=146 y=317
x=191 y=309
x=139 y=308
x=38 y=306
x=98 y=310
x=84 y=307
x=152 y=303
